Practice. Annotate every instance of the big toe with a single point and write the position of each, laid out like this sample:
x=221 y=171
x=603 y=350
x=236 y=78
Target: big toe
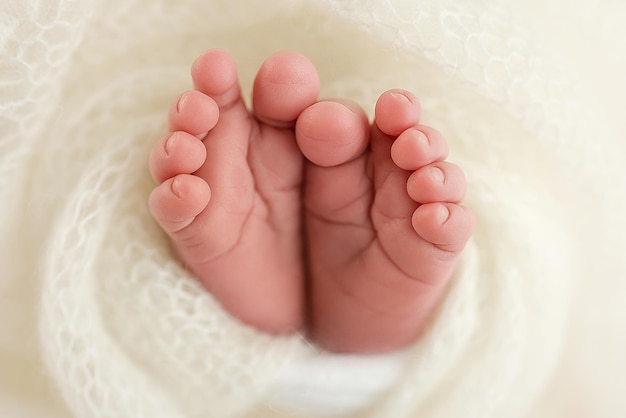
x=330 y=133
x=285 y=85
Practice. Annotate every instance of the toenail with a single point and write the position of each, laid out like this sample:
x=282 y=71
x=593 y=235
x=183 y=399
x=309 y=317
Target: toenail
x=400 y=96
x=169 y=143
x=437 y=174
x=175 y=187
x=181 y=103
x=421 y=137
x=443 y=214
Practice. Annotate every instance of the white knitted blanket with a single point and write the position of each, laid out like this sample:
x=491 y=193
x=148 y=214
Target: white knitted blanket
x=97 y=319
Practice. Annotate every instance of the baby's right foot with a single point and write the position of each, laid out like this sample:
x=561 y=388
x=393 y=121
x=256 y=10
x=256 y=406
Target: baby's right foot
x=383 y=222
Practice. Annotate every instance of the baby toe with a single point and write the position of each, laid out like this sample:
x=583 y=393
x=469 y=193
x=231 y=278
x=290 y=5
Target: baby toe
x=214 y=73
x=176 y=202
x=417 y=147
x=193 y=112
x=437 y=182
x=446 y=225
x=396 y=111
x=176 y=153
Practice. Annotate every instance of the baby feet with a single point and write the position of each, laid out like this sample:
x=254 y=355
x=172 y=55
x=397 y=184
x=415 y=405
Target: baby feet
x=301 y=194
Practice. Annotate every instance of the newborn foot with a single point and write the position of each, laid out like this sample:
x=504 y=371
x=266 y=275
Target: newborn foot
x=383 y=223
x=229 y=186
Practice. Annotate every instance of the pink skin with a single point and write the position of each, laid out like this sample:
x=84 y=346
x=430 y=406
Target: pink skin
x=300 y=190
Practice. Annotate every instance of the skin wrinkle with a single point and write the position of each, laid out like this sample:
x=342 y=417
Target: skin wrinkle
x=406 y=274
x=231 y=248
x=344 y=287
x=365 y=195
x=378 y=206
x=223 y=108
x=267 y=201
x=376 y=243
x=266 y=166
x=185 y=224
x=359 y=227
x=361 y=302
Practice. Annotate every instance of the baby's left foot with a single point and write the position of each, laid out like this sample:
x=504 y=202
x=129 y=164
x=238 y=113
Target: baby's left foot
x=228 y=191
x=384 y=224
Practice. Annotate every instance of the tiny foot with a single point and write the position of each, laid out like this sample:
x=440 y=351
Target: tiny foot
x=229 y=186
x=383 y=223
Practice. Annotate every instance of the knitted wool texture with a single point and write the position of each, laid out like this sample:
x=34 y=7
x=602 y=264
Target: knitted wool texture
x=99 y=319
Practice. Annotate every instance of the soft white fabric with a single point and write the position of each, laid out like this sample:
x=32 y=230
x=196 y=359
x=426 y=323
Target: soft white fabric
x=328 y=384
x=99 y=320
